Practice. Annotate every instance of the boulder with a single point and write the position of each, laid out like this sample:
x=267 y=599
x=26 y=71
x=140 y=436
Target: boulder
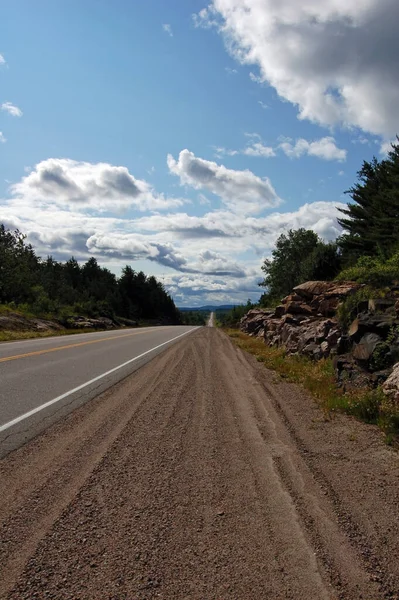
x=365 y=348
x=292 y=298
x=391 y=385
x=312 y=288
x=298 y=308
x=326 y=288
x=380 y=304
x=279 y=311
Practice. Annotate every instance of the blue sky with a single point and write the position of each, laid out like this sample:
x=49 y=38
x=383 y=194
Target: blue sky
x=184 y=137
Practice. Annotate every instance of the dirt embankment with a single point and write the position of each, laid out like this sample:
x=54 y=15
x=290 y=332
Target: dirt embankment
x=201 y=477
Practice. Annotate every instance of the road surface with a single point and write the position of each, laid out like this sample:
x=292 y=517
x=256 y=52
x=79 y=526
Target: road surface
x=43 y=379
x=200 y=476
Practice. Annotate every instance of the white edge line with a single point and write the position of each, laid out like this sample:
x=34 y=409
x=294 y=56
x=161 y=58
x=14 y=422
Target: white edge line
x=80 y=387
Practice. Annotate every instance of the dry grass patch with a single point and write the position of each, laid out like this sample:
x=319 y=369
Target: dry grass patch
x=318 y=378
x=10 y=336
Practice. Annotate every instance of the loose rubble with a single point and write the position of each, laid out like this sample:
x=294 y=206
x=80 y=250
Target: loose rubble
x=306 y=323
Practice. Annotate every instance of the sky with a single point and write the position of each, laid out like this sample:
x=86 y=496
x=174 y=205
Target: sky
x=183 y=137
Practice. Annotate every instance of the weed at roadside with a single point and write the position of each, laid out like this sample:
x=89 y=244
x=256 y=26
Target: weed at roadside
x=318 y=378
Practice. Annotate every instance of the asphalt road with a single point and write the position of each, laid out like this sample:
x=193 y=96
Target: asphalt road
x=44 y=379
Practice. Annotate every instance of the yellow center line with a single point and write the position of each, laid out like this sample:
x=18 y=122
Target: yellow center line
x=37 y=352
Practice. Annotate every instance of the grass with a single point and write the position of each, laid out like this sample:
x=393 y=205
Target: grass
x=318 y=378
x=10 y=336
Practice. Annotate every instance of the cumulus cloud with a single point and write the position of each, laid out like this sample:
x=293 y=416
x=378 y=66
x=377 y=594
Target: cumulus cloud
x=2 y=60
x=218 y=227
x=168 y=29
x=240 y=190
x=335 y=60
x=2 y=138
x=11 y=109
x=131 y=246
x=99 y=186
x=324 y=148
x=258 y=149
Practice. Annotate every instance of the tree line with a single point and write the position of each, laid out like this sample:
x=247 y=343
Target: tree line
x=368 y=249
x=60 y=289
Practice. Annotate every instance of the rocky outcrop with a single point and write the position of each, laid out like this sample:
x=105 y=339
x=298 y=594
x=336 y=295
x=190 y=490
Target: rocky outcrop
x=88 y=323
x=306 y=323
x=17 y=322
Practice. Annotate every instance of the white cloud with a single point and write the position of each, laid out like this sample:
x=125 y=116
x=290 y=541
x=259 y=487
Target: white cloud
x=258 y=149
x=100 y=186
x=256 y=78
x=12 y=110
x=230 y=71
x=221 y=151
x=263 y=104
x=254 y=147
x=242 y=191
x=333 y=59
x=2 y=138
x=324 y=148
x=2 y=60
x=168 y=29
x=387 y=146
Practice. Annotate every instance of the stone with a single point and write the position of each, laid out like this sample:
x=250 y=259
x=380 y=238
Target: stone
x=298 y=308
x=365 y=348
x=279 y=311
x=325 y=348
x=328 y=306
x=380 y=304
x=333 y=336
x=391 y=385
x=326 y=288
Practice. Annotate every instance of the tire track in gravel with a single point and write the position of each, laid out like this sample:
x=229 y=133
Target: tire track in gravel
x=186 y=480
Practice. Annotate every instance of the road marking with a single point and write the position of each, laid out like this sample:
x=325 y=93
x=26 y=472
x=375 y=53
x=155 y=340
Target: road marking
x=57 y=348
x=81 y=387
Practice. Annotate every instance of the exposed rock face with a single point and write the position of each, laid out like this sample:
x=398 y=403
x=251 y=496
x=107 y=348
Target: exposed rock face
x=391 y=385
x=306 y=323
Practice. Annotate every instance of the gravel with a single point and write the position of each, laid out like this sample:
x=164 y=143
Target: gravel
x=201 y=476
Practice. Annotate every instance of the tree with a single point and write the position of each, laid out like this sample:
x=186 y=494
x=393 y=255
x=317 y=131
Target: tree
x=283 y=270
x=19 y=267
x=323 y=263
x=371 y=222
x=54 y=288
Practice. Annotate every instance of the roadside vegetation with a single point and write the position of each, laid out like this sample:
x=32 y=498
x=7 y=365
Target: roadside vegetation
x=46 y=288
x=318 y=378
x=367 y=252
x=194 y=317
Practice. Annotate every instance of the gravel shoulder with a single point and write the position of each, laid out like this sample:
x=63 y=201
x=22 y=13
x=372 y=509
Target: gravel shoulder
x=201 y=476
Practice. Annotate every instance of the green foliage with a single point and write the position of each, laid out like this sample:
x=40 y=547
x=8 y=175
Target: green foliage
x=373 y=271
x=194 y=317
x=371 y=221
x=380 y=358
x=231 y=318
x=283 y=269
x=349 y=309
x=300 y=255
x=49 y=288
x=323 y=263
x=366 y=406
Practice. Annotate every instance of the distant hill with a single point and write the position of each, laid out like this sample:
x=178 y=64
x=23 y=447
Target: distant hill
x=208 y=308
